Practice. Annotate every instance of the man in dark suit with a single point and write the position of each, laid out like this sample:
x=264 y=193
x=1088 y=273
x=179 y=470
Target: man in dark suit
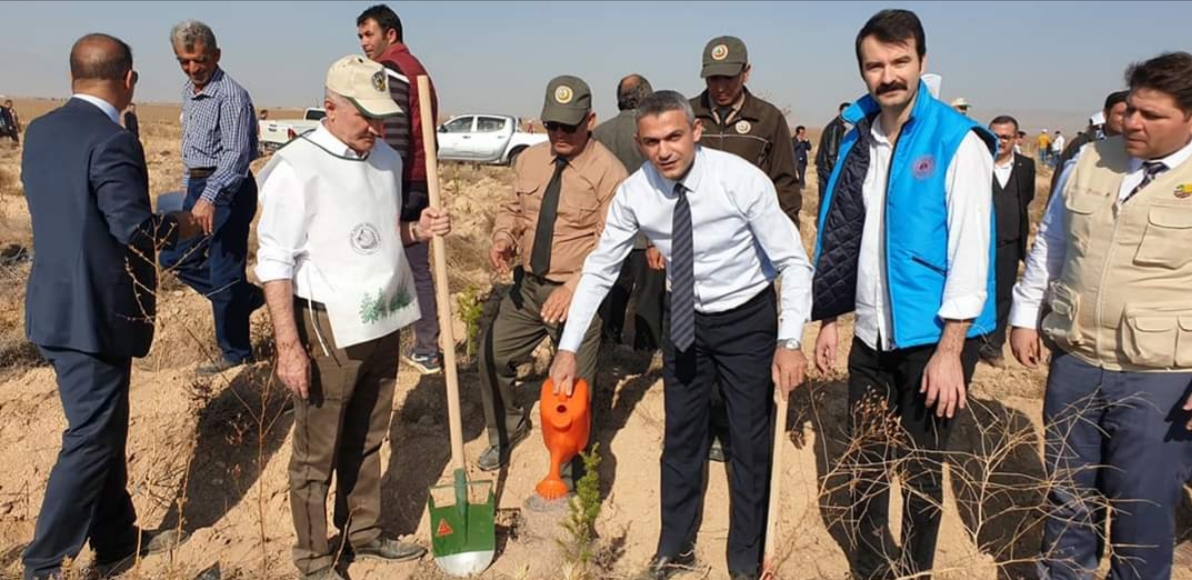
x=829 y=146
x=90 y=303
x=1013 y=191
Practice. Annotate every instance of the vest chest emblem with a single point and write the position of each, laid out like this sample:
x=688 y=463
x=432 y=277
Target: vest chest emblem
x=923 y=167
x=1183 y=190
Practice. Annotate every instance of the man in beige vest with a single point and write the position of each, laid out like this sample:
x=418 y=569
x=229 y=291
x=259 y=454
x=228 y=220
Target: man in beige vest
x=1112 y=262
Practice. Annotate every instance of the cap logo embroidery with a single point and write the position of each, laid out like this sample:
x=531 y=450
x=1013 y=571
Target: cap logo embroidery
x=378 y=81
x=743 y=126
x=563 y=94
x=719 y=52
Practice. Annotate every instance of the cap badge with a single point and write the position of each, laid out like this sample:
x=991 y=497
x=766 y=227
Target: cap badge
x=743 y=126
x=378 y=81
x=1183 y=190
x=563 y=94
x=719 y=52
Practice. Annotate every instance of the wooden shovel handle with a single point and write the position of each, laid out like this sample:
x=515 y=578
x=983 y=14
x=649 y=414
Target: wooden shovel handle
x=769 y=565
x=442 y=292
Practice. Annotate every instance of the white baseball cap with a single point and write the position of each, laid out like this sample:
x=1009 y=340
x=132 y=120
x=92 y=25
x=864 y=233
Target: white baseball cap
x=365 y=84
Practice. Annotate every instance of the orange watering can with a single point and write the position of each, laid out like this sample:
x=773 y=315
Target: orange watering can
x=566 y=423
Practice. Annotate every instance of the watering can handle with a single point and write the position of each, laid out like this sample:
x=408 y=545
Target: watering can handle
x=442 y=294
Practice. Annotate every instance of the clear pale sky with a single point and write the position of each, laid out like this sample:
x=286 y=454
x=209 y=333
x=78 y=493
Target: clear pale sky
x=1050 y=63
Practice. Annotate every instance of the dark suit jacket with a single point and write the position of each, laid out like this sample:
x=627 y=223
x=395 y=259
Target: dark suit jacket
x=93 y=283
x=1017 y=196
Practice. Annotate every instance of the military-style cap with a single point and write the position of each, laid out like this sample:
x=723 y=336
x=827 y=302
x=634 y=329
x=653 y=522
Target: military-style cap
x=568 y=100
x=364 y=83
x=724 y=56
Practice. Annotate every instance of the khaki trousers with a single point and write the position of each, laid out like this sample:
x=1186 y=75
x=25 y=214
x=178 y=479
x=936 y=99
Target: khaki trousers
x=514 y=334
x=339 y=431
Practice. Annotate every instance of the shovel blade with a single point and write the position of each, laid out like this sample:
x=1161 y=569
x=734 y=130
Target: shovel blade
x=465 y=564
x=463 y=528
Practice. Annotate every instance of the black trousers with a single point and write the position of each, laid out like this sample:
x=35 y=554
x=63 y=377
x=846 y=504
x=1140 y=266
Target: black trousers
x=86 y=497
x=1006 y=274
x=646 y=287
x=883 y=392
x=735 y=348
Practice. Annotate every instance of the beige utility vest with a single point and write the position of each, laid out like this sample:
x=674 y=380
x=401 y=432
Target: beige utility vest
x=1124 y=298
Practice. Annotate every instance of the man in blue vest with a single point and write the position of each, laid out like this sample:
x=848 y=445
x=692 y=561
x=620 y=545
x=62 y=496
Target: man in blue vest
x=906 y=243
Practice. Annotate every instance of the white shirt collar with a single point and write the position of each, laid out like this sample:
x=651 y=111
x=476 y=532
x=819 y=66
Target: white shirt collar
x=1008 y=163
x=323 y=138
x=103 y=105
x=1171 y=161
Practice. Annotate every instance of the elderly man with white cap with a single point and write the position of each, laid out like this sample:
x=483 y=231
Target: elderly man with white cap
x=339 y=290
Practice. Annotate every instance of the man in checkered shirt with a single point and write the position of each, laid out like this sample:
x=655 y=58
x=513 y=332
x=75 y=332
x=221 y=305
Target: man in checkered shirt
x=219 y=140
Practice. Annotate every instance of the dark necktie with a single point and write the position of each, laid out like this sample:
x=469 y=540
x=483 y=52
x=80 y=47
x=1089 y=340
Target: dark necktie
x=682 y=267
x=545 y=234
x=1152 y=169
x=724 y=113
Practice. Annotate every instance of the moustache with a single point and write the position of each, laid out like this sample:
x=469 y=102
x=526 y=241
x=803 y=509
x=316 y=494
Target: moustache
x=890 y=87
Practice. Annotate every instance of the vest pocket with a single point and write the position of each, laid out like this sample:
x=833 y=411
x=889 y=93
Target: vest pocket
x=1165 y=241
x=1062 y=324
x=1183 y=350
x=1081 y=205
x=1149 y=337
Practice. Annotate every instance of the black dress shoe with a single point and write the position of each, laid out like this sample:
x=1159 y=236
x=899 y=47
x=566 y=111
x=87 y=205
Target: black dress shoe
x=664 y=567
x=495 y=457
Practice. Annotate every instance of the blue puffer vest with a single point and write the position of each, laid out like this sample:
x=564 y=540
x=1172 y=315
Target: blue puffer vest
x=916 y=228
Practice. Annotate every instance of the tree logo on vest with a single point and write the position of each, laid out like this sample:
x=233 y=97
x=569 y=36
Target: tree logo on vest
x=743 y=126
x=1183 y=191
x=923 y=167
x=365 y=239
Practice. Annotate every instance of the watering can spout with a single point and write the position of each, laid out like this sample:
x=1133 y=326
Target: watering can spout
x=566 y=424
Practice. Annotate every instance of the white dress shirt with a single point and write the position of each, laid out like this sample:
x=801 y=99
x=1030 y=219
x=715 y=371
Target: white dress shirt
x=969 y=199
x=284 y=221
x=107 y=108
x=743 y=241
x=1046 y=260
x=1002 y=171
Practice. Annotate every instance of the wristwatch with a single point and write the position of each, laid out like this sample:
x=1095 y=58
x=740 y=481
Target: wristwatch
x=790 y=344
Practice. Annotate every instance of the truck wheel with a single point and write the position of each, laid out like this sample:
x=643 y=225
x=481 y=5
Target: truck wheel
x=513 y=155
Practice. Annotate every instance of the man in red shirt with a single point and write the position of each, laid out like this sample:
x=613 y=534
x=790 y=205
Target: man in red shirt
x=380 y=32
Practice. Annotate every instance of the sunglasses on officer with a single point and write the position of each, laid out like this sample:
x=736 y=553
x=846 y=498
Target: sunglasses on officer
x=557 y=126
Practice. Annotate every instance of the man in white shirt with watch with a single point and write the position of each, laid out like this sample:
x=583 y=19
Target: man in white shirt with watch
x=726 y=323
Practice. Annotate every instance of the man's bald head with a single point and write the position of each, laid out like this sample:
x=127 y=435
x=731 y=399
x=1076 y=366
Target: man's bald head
x=631 y=91
x=99 y=57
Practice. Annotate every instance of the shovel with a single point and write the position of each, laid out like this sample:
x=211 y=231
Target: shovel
x=462 y=513
x=769 y=563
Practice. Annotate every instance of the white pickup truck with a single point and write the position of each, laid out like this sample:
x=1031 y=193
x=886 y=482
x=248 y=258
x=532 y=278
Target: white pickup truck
x=484 y=138
x=273 y=133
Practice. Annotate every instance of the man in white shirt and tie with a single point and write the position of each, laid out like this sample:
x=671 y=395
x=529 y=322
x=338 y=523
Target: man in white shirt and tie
x=726 y=323
x=905 y=242
x=1107 y=283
